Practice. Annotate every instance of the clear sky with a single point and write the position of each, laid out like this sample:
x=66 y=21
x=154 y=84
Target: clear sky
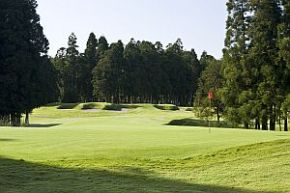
x=199 y=23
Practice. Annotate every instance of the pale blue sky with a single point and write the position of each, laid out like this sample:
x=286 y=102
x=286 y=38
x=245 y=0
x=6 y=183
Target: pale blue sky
x=199 y=23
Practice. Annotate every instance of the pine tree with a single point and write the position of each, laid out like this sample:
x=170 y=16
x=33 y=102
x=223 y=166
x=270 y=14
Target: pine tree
x=284 y=55
x=263 y=51
x=108 y=74
x=133 y=81
x=72 y=71
x=103 y=46
x=22 y=59
x=210 y=81
x=234 y=69
x=90 y=62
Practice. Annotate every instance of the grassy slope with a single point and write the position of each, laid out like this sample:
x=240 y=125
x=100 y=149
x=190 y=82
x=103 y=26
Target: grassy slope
x=136 y=151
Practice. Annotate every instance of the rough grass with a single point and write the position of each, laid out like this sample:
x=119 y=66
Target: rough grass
x=136 y=151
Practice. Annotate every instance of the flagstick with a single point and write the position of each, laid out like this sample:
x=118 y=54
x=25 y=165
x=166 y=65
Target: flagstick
x=209 y=129
x=210 y=97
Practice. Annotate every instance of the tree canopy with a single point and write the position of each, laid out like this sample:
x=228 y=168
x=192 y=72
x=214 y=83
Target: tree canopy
x=26 y=75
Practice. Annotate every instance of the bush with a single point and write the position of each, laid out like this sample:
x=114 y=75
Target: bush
x=189 y=109
x=167 y=107
x=5 y=120
x=113 y=107
x=68 y=106
x=88 y=106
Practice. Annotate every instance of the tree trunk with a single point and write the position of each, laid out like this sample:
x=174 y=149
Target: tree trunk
x=218 y=116
x=16 y=119
x=272 y=120
x=257 y=124
x=27 y=118
x=279 y=122
x=286 y=124
x=264 y=123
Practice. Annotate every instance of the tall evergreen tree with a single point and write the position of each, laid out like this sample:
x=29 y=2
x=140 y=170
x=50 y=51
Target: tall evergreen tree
x=210 y=81
x=90 y=61
x=22 y=58
x=59 y=62
x=133 y=81
x=72 y=74
x=263 y=51
x=103 y=46
x=107 y=75
x=234 y=69
x=284 y=55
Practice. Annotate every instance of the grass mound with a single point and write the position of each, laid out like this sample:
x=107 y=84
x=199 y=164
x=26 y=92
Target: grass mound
x=199 y=123
x=130 y=106
x=93 y=105
x=166 y=107
x=189 y=109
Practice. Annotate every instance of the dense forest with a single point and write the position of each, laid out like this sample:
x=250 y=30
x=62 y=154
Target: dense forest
x=256 y=63
x=139 y=72
x=250 y=84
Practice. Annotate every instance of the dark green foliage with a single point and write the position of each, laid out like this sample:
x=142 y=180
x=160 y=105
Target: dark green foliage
x=72 y=73
x=90 y=61
x=143 y=72
x=108 y=75
x=119 y=107
x=27 y=77
x=68 y=106
x=113 y=107
x=140 y=72
x=88 y=106
x=103 y=46
x=167 y=107
x=65 y=63
x=210 y=81
x=255 y=62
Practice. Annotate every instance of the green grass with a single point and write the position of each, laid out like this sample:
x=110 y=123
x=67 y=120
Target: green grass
x=137 y=151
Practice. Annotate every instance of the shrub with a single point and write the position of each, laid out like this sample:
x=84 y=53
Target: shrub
x=68 y=106
x=113 y=107
x=167 y=107
x=88 y=106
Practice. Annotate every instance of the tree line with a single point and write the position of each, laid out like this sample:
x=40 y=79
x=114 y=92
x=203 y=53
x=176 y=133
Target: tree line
x=254 y=84
x=139 y=72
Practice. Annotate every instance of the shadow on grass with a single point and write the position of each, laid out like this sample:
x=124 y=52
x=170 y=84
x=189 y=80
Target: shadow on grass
x=24 y=177
x=199 y=123
x=44 y=125
x=7 y=140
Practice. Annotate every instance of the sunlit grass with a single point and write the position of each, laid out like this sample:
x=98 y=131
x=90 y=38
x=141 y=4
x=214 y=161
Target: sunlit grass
x=135 y=150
